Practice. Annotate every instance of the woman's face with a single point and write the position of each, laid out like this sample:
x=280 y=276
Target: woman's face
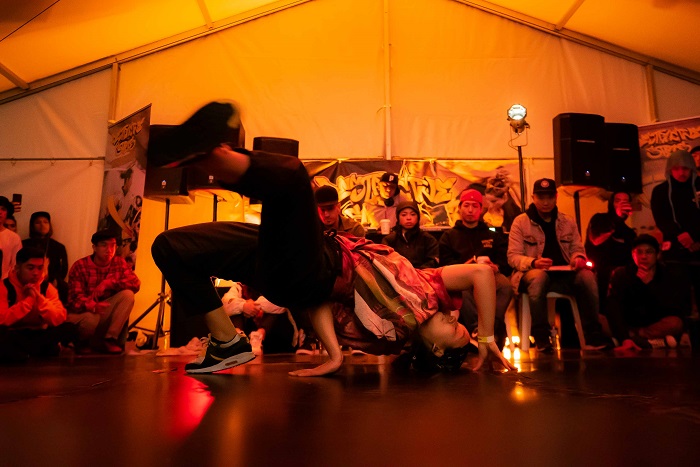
x=42 y=226
x=408 y=218
x=443 y=331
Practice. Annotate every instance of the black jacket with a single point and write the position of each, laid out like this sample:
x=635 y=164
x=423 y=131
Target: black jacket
x=460 y=243
x=419 y=247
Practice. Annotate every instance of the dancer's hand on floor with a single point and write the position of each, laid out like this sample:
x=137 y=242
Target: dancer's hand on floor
x=490 y=349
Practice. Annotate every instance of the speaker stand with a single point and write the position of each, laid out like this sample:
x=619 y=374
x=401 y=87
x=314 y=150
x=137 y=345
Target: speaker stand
x=162 y=299
x=577 y=210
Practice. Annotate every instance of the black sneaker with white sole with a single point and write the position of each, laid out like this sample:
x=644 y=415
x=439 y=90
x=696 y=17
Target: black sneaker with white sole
x=212 y=125
x=219 y=358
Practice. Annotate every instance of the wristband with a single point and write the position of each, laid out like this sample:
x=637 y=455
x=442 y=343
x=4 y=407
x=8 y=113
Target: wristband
x=485 y=339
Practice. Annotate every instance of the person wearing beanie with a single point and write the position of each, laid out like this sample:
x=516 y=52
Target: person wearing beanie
x=695 y=152
x=419 y=247
x=383 y=205
x=328 y=205
x=609 y=241
x=10 y=243
x=543 y=237
x=675 y=205
x=40 y=236
x=470 y=241
x=647 y=300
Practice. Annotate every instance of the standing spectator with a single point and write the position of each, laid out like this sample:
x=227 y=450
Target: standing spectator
x=543 y=237
x=11 y=223
x=695 y=152
x=329 y=212
x=647 y=300
x=419 y=247
x=10 y=243
x=32 y=318
x=40 y=233
x=383 y=206
x=609 y=241
x=675 y=205
x=469 y=239
x=101 y=290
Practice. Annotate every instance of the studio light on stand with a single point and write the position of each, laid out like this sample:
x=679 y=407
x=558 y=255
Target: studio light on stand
x=518 y=139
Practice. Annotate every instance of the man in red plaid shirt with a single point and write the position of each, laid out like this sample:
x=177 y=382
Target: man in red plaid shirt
x=101 y=290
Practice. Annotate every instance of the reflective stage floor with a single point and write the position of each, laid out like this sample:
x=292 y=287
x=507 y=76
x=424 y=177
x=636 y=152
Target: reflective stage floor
x=563 y=410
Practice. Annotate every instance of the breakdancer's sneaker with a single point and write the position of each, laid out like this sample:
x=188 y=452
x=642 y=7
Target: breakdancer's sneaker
x=222 y=355
x=212 y=125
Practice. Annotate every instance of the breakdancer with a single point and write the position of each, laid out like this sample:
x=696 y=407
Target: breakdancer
x=355 y=291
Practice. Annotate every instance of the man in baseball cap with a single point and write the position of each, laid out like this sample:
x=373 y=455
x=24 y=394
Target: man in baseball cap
x=329 y=212
x=543 y=237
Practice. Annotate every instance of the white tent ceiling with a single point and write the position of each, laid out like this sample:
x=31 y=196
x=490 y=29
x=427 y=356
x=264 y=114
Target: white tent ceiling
x=46 y=42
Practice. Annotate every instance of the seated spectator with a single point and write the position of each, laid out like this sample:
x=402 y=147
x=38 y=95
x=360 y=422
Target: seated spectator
x=609 y=241
x=40 y=233
x=101 y=290
x=267 y=324
x=675 y=205
x=543 y=237
x=11 y=223
x=419 y=247
x=647 y=300
x=10 y=243
x=32 y=318
x=471 y=239
x=329 y=212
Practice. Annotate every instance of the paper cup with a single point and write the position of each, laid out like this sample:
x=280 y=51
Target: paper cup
x=385 y=226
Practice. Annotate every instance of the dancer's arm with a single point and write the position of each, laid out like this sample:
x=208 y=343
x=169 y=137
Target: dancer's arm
x=322 y=322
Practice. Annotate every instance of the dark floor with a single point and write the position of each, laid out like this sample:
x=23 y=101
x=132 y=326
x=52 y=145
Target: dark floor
x=562 y=410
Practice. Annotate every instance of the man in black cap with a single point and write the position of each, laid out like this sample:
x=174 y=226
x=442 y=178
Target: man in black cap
x=383 y=206
x=329 y=212
x=542 y=238
x=10 y=243
x=647 y=300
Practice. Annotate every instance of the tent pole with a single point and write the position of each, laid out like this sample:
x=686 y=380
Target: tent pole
x=387 y=84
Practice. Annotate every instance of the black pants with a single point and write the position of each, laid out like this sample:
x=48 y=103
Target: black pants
x=284 y=258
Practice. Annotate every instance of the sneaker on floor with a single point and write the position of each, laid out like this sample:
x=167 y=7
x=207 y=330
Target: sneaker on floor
x=599 y=341
x=671 y=342
x=210 y=126
x=685 y=340
x=357 y=352
x=308 y=347
x=544 y=346
x=641 y=342
x=110 y=346
x=256 y=340
x=222 y=355
x=657 y=343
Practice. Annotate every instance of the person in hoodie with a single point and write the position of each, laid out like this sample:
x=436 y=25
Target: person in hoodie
x=543 y=237
x=609 y=241
x=408 y=240
x=675 y=205
x=472 y=241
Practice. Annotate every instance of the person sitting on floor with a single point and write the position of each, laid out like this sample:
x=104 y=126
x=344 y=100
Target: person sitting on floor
x=101 y=290
x=646 y=299
x=268 y=325
x=331 y=217
x=543 y=237
x=301 y=267
x=471 y=241
x=408 y=240
x=40 y=236
x=32 y=318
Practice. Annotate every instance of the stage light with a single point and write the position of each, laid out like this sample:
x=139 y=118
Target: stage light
x=516 y=118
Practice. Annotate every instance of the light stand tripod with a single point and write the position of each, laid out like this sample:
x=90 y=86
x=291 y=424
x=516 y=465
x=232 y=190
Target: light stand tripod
x=162 y=295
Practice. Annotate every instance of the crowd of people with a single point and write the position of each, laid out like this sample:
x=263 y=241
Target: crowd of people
x=307 y=274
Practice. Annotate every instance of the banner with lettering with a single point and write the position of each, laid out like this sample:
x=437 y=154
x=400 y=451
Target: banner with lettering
x=124 y=180
x=434 y=184
x=657 y=141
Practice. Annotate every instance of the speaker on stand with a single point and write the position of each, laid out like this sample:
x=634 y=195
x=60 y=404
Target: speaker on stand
x=623 y=157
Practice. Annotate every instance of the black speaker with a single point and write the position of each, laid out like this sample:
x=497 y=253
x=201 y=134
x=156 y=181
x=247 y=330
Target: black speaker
x=288 y=147
x=623 y=158
x=579 y=150
x=198 y=179
x=162 y=184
